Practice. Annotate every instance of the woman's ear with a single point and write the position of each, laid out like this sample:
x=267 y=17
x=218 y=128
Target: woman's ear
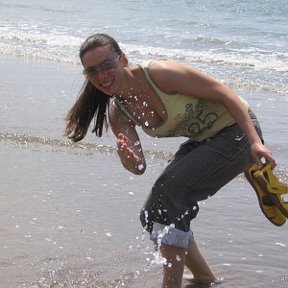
x=124 y=60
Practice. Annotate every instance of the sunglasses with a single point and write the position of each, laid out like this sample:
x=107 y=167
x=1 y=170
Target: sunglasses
x=106 y=65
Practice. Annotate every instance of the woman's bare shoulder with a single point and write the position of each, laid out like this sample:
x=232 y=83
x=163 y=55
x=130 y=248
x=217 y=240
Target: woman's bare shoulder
x=166 y=73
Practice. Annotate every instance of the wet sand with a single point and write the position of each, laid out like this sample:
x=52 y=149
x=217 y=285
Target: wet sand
x=69 y=215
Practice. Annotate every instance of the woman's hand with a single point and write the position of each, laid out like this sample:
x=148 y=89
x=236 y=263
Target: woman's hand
x=128 y=156
x=123 y=148
x=260 y=152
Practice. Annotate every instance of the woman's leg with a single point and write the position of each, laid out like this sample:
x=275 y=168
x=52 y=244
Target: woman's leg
x=198 y=171
x=176 y=258
x=197 y=264
x=174 y=266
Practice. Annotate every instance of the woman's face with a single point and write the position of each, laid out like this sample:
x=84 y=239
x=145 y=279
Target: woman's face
x=101 y=65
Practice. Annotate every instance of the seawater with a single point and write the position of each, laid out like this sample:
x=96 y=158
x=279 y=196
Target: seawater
x=243 y=43
x=69 y=212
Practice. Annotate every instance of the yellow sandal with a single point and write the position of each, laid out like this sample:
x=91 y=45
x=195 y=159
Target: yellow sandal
x=266 y=203
x=273 y=187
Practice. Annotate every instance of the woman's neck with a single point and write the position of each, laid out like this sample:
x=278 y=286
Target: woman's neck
x=132 y=84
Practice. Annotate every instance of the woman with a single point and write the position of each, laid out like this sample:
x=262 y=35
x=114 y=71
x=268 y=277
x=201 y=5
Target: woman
x=168 y=99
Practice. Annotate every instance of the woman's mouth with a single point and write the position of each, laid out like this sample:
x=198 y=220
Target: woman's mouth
x=107 y=84
x=108 y=87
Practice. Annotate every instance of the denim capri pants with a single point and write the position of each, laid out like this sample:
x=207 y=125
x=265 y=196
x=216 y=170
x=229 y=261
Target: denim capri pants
x=196 y=172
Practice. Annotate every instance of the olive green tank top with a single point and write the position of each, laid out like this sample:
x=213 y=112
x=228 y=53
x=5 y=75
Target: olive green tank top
x=186 y=116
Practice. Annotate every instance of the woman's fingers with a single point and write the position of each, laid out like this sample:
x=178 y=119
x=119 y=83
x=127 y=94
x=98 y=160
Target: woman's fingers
x=263 y=156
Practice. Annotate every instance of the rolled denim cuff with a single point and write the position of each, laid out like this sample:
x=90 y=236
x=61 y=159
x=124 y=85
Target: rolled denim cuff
x=171 y=236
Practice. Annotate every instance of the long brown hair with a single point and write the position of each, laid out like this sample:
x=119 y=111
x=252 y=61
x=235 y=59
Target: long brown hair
x=91 y=103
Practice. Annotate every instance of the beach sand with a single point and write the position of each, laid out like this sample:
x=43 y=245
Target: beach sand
x=69 y=214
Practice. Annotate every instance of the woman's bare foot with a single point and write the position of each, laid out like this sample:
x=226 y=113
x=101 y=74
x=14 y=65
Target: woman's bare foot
x=205 y=280
x=198 y=267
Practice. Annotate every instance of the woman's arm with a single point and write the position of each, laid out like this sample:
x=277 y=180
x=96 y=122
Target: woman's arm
x=174 y=77
x=128 y=144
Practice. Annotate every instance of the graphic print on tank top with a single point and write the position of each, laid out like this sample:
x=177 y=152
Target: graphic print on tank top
x=196 y=119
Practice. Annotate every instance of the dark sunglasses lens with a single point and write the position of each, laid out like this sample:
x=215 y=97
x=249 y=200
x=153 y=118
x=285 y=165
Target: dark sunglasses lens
x=108 y=64
x=90 y=71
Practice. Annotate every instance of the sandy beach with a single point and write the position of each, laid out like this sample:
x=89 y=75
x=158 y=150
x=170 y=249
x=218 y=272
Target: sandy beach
x=69 y=214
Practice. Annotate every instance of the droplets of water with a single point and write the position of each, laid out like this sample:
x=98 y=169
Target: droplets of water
x=146 y=216
x=259 y=271
x=280 y=244
x=140 y=167
x=137 y=143
x=178 y=258
x=155 y=260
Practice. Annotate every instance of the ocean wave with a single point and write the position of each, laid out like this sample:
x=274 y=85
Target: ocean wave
x=41 y=42
x=250 y=57
x=255 y=68
x=38 y=40
x=26 y=141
